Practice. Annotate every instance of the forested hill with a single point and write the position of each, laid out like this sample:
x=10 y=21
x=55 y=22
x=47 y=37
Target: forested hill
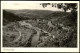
x=10 y=17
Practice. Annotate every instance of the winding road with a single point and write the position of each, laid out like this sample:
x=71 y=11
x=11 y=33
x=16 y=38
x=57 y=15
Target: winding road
x=35 y=38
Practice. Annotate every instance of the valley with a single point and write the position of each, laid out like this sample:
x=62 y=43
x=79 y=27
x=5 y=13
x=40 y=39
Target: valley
x=39 y=28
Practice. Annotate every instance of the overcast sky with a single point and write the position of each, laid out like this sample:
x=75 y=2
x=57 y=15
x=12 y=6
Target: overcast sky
x=20 y=5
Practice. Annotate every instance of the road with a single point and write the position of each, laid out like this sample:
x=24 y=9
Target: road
x=35 y=37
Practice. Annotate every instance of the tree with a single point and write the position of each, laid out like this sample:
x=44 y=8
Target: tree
x=64 y=6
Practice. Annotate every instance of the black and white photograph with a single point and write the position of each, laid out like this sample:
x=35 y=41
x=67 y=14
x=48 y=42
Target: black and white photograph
x=40 y=25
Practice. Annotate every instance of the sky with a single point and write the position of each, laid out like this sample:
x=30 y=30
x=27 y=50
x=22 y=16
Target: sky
x=25 y=5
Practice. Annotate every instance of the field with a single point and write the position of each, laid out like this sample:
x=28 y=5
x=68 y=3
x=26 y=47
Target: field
x=39 y=28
